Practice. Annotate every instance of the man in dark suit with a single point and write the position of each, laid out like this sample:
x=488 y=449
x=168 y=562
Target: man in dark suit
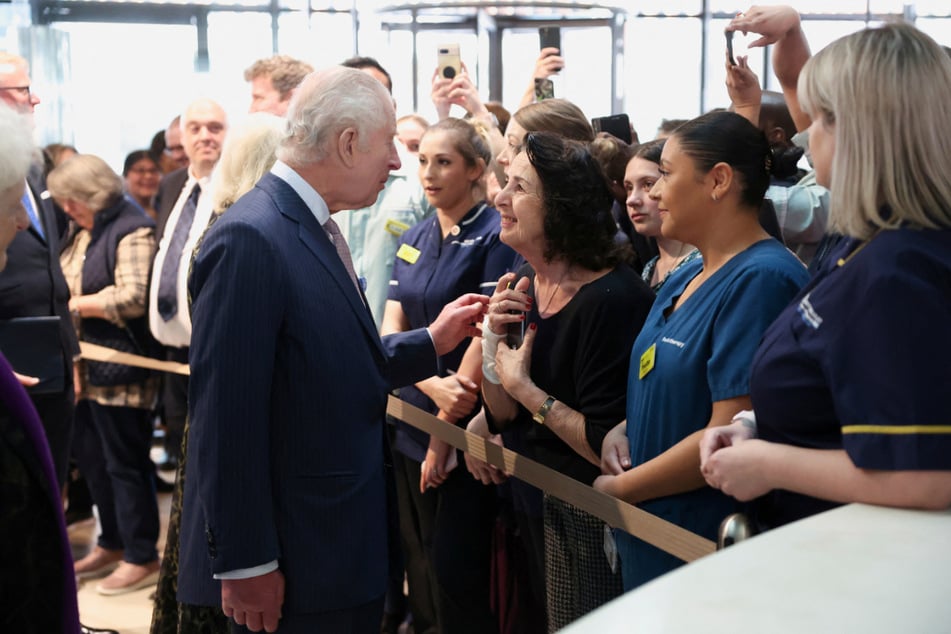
x=183 y=207
x=285 y=497
x=32 y=285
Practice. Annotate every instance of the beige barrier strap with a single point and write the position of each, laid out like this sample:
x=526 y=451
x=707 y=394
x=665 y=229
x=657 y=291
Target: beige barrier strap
x=658 y=532
x=92 y=352
x=669 y=537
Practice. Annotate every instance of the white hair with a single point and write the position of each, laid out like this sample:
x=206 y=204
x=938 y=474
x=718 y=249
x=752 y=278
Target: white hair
x=16 y=146
x=247 y=154
x=886 y=92
x=325 y=104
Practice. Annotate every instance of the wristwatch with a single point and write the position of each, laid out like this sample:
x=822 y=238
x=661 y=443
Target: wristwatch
x=542 y=413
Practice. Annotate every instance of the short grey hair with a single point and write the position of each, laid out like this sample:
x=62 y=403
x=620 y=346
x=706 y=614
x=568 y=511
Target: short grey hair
x=85 y=178
x=16 y=146
x=886 y=91
x=326 y=103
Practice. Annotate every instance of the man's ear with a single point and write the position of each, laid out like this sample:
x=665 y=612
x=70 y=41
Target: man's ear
x=347 y=146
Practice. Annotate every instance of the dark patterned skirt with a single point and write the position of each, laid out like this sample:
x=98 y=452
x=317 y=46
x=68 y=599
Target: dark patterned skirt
x=578 y=577
x=169 y=616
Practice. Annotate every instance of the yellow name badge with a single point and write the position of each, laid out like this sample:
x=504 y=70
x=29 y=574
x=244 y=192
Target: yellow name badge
x=396 y=227
x=408 y=253
x=647 y=361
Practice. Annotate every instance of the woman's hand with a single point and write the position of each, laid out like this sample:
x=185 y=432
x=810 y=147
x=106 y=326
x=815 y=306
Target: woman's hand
x=606 y=484
x=77 y=385
x=440 y=460
x=716 y=438
x=26 y=381
x=514 y=365
x=481 y=470
x=548 y=63
x=440 y=94
x=740 y=469
x=508 y=305
x=772 y=22
x=743 y=86
x=616 y=451
x=455 y=394
x=462 y=92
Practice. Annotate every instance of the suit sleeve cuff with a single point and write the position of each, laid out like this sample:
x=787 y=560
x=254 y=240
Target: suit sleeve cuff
x=247 y=573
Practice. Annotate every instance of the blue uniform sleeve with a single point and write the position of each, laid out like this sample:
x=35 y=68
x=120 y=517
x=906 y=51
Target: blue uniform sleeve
x=889 y=370
x=499 y=260
x=753 y=302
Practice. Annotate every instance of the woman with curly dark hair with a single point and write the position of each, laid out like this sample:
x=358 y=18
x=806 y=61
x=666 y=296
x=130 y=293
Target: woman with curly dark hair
x=565 y=383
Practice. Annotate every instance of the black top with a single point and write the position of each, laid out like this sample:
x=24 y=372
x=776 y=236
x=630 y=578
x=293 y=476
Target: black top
x=580 y=357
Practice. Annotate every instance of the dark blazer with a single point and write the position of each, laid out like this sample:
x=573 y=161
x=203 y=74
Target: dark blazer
x=32 y=284
x=286 y=406
x=169 y=190
x=37 y=584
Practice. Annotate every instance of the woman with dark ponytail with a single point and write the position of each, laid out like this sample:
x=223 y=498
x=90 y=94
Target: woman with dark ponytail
x=690 y=365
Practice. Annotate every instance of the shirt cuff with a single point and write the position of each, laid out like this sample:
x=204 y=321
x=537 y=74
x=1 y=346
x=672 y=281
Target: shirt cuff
x=433 y=341
x=247 y=573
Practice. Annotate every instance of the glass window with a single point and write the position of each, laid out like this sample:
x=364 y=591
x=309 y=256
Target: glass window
x=888 y=6
x=585 y=80
x=326 y=39
x=821 y=33
x=661 y=71
x=932 y=7
x=117 y=99
x=938 y=28
x=669 y=7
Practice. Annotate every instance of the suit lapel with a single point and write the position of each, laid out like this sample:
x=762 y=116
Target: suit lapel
x=315 y=239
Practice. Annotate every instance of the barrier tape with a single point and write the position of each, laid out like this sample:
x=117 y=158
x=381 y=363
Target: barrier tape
x=92 y=352
x=658 y=532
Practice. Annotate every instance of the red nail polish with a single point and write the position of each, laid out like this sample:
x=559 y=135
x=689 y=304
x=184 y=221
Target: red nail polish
x=533 y=326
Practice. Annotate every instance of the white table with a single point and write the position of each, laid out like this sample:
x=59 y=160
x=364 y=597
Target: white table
x=857 y=568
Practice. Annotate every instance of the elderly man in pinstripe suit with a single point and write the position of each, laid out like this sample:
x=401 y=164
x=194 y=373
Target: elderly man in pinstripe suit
x=284 y=519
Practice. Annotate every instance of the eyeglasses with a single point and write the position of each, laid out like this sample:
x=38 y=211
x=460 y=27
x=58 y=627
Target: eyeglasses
x=23 y=90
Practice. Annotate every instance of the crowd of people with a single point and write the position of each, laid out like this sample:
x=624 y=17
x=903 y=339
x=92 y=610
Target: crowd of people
x=741 y=315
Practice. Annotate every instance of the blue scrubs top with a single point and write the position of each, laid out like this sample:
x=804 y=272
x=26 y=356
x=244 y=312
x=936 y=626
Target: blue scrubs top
x=701 y=354
x=429 y=272
x=861 y=361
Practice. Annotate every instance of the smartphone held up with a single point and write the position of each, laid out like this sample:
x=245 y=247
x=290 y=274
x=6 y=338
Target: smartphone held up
x=448 y=60
x=549 y=37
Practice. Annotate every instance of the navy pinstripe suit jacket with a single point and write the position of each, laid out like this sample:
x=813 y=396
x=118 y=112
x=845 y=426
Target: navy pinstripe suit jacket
x=287 y=404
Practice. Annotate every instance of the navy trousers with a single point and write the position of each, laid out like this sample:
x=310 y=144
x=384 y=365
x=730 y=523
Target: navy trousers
x=111 y=446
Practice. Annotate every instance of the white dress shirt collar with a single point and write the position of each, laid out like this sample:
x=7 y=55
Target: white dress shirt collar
x=308 y=194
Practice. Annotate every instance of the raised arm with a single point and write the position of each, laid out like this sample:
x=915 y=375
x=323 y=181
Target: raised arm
x=780 y=25
x=548 y=63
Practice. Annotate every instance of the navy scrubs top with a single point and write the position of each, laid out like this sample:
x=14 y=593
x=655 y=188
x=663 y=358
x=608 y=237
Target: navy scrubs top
x=861 y=361
x=430 y=272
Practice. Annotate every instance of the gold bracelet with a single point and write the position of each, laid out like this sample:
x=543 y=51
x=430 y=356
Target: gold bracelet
x=542 y=413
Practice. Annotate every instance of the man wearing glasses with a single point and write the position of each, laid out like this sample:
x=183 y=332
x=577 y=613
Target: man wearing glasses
x=32 y=284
